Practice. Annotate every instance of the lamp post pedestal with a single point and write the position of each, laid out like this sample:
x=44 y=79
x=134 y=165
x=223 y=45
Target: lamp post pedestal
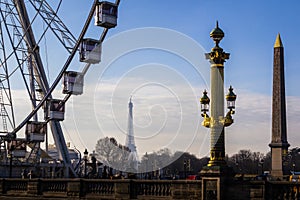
x=214 y=179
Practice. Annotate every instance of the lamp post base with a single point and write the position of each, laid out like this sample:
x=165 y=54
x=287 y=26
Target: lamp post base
x=214 y=179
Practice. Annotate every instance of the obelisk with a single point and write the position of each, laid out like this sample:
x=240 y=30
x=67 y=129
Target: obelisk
x=279 y=145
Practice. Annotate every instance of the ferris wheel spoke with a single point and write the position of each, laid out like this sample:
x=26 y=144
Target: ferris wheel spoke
x=55 y=24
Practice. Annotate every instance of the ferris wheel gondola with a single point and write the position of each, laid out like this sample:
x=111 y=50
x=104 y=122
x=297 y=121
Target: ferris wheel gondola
x=106 y=14
x=73 y=83
x=36 y=131
x=55 y=110
x=90 y=51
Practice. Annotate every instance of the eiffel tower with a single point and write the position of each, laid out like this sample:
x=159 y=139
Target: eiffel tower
x=133 y=156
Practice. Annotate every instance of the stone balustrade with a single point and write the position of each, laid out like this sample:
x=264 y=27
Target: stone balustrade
x=91 y=189
x=99 y=189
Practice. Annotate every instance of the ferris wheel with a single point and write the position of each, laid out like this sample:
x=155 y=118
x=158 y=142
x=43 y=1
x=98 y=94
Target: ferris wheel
x=23 y=70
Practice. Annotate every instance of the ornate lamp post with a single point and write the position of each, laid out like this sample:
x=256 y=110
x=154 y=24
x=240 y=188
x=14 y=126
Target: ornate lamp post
x=85 y=157
x=261 y=163
x=216 y=171
x=217 y=121
x=184 y=168
x=294 y=166
x=146 y=158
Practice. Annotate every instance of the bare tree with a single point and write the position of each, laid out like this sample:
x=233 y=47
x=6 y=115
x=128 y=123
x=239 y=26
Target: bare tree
x=112 y=154
x=247 y=162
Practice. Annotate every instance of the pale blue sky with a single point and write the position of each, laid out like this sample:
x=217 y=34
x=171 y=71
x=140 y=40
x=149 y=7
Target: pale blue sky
x=250 y=30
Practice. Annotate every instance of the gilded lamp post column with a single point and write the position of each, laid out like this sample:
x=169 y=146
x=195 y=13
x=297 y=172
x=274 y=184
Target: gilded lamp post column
x=216 y=122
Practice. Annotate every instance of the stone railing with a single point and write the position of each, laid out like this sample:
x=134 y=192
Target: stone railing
x=151 y=188
x=263 y=190
x=104 y=187
x=14 y=185
x=100 y=189
x=141 y=189
x=282 y=190
x=55 y=185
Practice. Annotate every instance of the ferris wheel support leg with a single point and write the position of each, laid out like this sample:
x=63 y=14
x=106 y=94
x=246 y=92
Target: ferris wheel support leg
x=62 y=149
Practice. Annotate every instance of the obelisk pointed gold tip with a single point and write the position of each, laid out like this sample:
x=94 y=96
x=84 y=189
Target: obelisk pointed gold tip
x=278 y=42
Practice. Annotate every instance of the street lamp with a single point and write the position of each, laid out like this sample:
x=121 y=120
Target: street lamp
x=230 y=97
x=262 y=165
x=204 y=103
x=217 y=121
x=184 y=168
x=294 y=165
x=146 y=158
x=237 y=166
x=204 y=100
x=85 y=157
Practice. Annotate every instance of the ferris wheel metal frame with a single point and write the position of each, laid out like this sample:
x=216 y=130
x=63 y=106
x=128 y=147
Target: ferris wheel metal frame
x=16 y=24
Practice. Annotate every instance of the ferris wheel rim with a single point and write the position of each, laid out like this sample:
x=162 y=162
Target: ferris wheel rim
x=59 y=76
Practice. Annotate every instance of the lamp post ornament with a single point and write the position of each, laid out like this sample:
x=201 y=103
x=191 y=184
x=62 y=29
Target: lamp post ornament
x=217 y=121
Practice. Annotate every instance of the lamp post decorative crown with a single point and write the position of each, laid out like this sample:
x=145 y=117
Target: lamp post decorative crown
x=217 y=55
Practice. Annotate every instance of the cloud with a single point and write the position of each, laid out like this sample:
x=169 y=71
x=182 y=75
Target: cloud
x=163 y=112
x=164 y=116
x=169 y=116
x=253 y=122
